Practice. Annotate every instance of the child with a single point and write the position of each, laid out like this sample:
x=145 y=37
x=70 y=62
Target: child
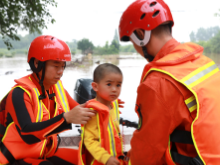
x=101 y=139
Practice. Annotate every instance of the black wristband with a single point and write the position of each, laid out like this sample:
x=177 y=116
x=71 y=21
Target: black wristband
x=64 y=117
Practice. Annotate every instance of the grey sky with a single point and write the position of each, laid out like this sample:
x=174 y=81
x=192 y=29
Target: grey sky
x=98 y=19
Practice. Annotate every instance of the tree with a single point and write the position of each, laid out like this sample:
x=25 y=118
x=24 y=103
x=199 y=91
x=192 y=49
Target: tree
x=127 y=48
x=201 y=35
x=72 y=45
x=215 y=43
x=115 y=43
x=30 y=15
x=192 y=37
x=204 y=34
x=85 y=45
x=217 y=14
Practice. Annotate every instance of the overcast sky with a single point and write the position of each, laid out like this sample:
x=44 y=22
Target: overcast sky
x=98 y=19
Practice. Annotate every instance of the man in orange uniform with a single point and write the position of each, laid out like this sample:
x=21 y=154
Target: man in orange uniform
x=178 y=96
x=38 y=108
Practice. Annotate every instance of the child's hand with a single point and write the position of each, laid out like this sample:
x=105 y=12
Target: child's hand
x=112 y=161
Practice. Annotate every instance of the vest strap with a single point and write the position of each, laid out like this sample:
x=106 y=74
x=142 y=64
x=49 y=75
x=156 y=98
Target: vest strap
x=51 y=95
x=180 y=136
x=185 y=160
x=7 y=153
x=184 y=137
x=2 y=129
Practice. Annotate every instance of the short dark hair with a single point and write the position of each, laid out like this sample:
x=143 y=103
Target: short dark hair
x=102 y=69
x=163 y=28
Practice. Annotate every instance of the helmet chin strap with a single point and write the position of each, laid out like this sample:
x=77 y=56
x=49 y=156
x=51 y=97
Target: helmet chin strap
x=143 y=43
x=42 y=96
x=146 y=55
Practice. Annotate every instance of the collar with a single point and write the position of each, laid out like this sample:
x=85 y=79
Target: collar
x=36 y=82
x=166 y=49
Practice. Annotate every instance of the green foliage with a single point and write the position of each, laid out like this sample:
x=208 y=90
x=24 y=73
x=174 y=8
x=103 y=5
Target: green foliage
x=72 y=45
x=22 y=44
x=115 y=42
x=217 y=14
x=208 y=38
x=7 y=53
x=109 y=49
x=30 y=15
x=215 y=43
x=204 y=34
x=115 y=45
x=192 y=37
x=212 y=46
x=206 y=45
x=85 y=45
x=127 y=48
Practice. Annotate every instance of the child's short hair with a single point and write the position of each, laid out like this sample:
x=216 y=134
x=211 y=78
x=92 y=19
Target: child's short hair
x=102 y=69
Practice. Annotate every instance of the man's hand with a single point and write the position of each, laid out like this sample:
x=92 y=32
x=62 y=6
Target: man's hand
x=79 y=115
x=120 y=103
x=112 y=161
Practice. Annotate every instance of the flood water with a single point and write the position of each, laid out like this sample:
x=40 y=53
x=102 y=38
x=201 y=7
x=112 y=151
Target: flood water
x=131 y=66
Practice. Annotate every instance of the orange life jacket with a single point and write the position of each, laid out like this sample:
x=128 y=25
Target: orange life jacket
x=110 y=138
x=201 y=76
x=12 y=140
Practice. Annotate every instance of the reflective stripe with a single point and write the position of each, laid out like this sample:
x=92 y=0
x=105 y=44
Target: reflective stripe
x=111 y=137
x=169 y=148
x=98 y=123
x=50 y=149
x=200 y=74
x=115 y=103
x=116 y=110
x=6 y=131
x=42 y=149
x=39 y=113
x=191 y=103
x=62 y=96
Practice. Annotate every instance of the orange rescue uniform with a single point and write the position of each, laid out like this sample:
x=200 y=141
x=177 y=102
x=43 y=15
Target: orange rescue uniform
x=33 y=124
x=178 y=91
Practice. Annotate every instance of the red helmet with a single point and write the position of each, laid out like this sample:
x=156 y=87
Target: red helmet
x=47 y=47
x=143 y=14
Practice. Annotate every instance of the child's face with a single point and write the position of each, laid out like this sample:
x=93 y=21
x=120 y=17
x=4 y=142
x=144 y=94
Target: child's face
x=109 y=87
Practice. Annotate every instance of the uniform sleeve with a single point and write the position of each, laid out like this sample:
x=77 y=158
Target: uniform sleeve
x=30 y=130
x=91 y=141
x=150 y=142
x=72 y=102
